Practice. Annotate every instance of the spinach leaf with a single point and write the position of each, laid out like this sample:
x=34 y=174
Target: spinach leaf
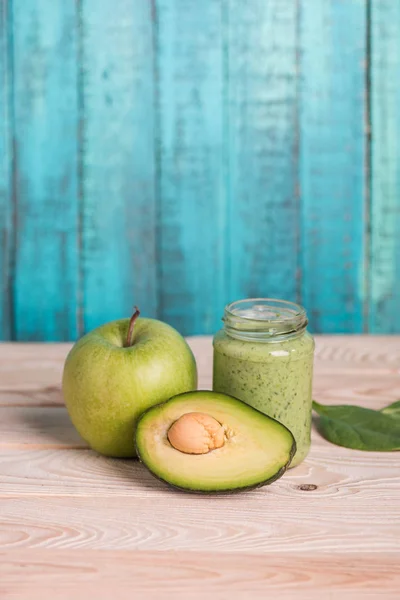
x=358 y=428
x=393 y=410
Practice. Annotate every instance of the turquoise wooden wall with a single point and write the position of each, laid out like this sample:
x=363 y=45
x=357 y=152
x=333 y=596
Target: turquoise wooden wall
x=178 y=154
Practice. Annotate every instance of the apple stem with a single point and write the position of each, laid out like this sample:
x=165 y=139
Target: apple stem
x=129 y=340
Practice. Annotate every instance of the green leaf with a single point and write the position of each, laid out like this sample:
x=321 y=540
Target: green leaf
x=393 y=410
x=358 y=428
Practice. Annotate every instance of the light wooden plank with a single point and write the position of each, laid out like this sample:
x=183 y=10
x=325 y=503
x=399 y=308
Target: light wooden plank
x=355 y=351
x=82 y=473
x=31 y=368
x=46 y=163
x=118 y=243
x=6 y=176
x=70 y=517
x=293 y=520
x=385 y=171
x=48 y=426
x=362 y=371
x=369 y=388
x=332 y=163
x=373 y=389
x=358 y=368
x=35 y=427
x=192 y=226
x=45 y=396
x=261 y=146
x=42 y=365
x=159 y=575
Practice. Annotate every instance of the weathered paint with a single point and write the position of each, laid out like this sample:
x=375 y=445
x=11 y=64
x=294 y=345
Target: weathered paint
x=190 y=145
x=178 y=154
x=118 y=208
x=384 y=275
x=262 y=145
x=45 y=109
x=6 y=191
x=332 y=162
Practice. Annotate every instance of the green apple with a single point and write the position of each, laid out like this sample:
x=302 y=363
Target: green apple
x=116 y=372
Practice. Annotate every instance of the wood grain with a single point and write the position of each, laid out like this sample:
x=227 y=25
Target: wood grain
x=298 y=519
x=180 y=154
x=45 y=396
x=385 y=171
x=192 y=214
x=118 y=168
x=89 y=525
x=26 y=427
x=368 y=368
x=263 y=204
x=46 y=164
x=33 y=427
x=30 y=374
x=82 y=473
x=6 y=176
x=332 y=149
x=156 y=575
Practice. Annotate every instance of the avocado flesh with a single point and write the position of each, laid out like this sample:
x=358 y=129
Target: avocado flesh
x=258 y=452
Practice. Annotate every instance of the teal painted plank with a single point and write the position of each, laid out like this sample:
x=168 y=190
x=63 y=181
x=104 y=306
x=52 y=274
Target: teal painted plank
x=118 y=164
x=332 y=162
x=263 y=212
x=6 y=208
x=384 y=282
x=44 y=39
x=191 y=186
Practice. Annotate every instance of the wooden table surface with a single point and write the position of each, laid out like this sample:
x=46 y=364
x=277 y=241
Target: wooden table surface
x=75 y=524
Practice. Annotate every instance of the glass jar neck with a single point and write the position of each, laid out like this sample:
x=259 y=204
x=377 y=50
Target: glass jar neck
x=264 y=320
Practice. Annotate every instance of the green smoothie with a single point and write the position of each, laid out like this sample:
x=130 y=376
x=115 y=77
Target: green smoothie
x=265 y=358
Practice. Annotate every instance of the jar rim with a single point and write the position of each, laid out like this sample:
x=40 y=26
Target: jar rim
x=297 y=310
x=264 y=318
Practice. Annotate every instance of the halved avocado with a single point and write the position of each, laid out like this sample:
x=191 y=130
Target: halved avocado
x=256 y=450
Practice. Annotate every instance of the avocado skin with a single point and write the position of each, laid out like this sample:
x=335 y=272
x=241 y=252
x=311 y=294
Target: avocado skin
x=228 y=491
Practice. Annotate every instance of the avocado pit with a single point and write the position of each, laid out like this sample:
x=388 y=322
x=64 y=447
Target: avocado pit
x=196 y=433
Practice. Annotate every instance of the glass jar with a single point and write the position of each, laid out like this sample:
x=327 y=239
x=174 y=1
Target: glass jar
x=264 y=356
